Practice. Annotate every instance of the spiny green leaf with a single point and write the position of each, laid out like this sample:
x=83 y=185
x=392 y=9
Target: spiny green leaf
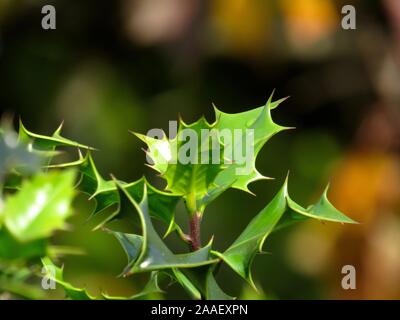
x=93 y=184
x=43 y=142
x=186 y=284
x=240 y=255
x=201 y=183
x=260 y=128
x=161 y=204
x=281 y=210
x=322 y=210
x=40 y=207
x=192 y=178
x=105 y=194
x=154 y=254
x=55 y=273
x=151 y=287
x=131 y=243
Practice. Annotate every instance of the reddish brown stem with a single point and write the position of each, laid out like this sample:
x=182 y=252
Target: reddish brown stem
x=195 y=238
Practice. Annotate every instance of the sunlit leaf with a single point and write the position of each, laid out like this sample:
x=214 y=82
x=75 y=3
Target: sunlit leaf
x=187 y=177
x=40 y=207
x=239 y=138
x=43 y=142
x=256 y=125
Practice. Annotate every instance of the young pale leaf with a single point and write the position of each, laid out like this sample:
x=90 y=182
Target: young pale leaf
x=55 y=273
x=231 y=147
x=253 y=125
x=179 y=160
x=154 y=254
x=40 y=207
x=282 y=210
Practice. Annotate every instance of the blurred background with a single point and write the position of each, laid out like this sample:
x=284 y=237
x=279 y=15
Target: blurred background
x=114 y=66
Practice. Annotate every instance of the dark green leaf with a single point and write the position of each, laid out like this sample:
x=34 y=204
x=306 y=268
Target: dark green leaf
x=154 y=254
x=56 y=274
x=201 y=279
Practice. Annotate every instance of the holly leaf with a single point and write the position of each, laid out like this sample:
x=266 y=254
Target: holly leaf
x=46 y=143
x=161 y=204
x=179 y=160
x=236 y=140
x=154 y=254
x=105 y=194
x=40 y=207
x=131 y=243
x=252 y=130
x=103 y=191
x=282 y=209
x=322 y=210
x=151 y=287
x=186 y=284
x=201 y=283
x=55 y=273
x=240 y=255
